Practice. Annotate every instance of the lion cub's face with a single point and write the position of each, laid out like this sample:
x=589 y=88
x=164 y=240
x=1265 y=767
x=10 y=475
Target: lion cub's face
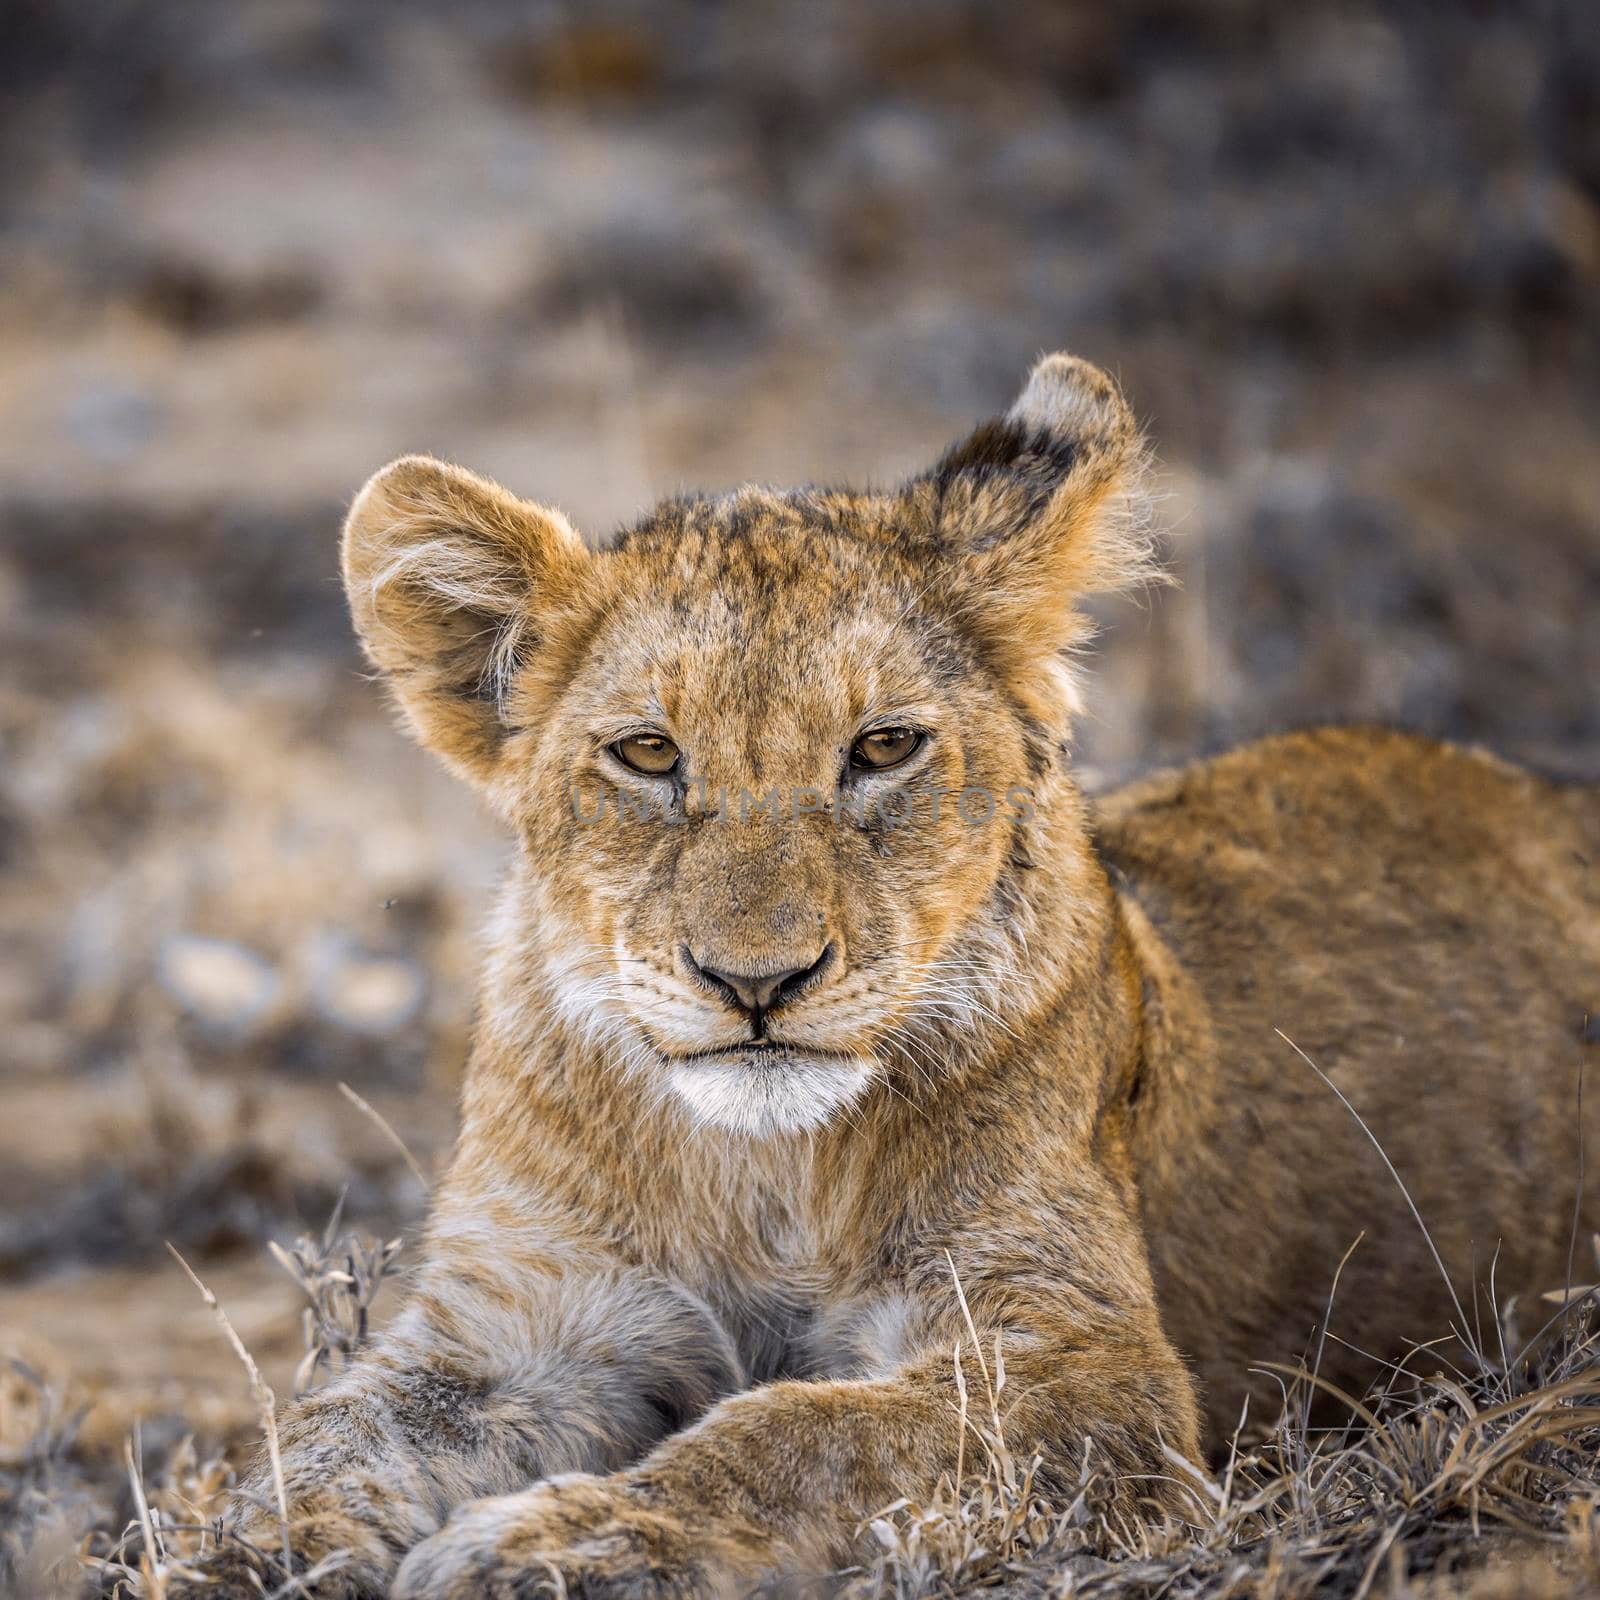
x=748 y=802
x=771 y=756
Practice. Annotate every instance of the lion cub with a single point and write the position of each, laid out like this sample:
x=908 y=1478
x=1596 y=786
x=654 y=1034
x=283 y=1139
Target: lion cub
x=818 y=988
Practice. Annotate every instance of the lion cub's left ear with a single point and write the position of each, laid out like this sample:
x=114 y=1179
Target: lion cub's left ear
x=461 y=593
x=1040 y=508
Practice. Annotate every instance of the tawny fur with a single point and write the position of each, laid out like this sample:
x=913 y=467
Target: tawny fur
x=688 y=1319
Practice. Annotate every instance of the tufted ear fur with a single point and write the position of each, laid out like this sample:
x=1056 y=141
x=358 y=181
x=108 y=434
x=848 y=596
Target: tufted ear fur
x=1039 y=508
x=459 y=591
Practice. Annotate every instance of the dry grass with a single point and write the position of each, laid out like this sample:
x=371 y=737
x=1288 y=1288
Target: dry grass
x=1484 y=1483
x=58 y=1509
x=340 y=1276
x=43 y=1499
x=1439 y=1482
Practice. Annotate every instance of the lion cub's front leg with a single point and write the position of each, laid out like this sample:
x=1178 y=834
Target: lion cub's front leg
x=778 y=1479
x=483 y=1385
x=588 y=1535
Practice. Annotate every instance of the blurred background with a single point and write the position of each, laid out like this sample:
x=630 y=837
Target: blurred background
x=1344 y=258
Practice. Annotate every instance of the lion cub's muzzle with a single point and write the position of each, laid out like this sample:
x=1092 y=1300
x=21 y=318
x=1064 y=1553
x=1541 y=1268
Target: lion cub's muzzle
x=765 y=1047
x=758 y=988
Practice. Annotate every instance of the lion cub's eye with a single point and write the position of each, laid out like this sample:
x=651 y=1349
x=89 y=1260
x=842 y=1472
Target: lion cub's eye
x=884 y=747
x=653 y=754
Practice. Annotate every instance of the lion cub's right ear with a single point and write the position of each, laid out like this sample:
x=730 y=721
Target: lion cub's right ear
x=459 y=590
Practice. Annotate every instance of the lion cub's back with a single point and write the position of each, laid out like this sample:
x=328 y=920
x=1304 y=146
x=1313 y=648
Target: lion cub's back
x=1423 y=837
x=1424 y=922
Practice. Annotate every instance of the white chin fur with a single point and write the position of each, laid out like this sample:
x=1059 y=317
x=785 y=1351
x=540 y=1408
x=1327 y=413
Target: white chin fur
x=761 y=1098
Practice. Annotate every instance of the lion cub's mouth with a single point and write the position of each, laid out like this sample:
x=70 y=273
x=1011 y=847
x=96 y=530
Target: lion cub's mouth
x=761 y=1052
x=768 y=1086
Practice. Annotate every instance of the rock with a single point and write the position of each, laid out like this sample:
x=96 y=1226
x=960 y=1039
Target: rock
x=222 y=985
x=365 y=992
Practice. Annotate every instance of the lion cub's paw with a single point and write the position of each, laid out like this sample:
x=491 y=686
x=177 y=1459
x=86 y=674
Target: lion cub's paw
x=235 y=1572
x=248 y=1571
x=589 y=1538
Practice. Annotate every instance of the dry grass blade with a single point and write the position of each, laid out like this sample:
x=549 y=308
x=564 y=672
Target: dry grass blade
x=340 y=1276
x=151 y=1557
x=386 y=1128
x=1463 y=1323
x=1344 y=1397
x=977 y=1343
x=266 y=1403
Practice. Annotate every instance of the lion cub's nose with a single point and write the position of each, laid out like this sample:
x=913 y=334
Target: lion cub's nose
x=759 y=991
